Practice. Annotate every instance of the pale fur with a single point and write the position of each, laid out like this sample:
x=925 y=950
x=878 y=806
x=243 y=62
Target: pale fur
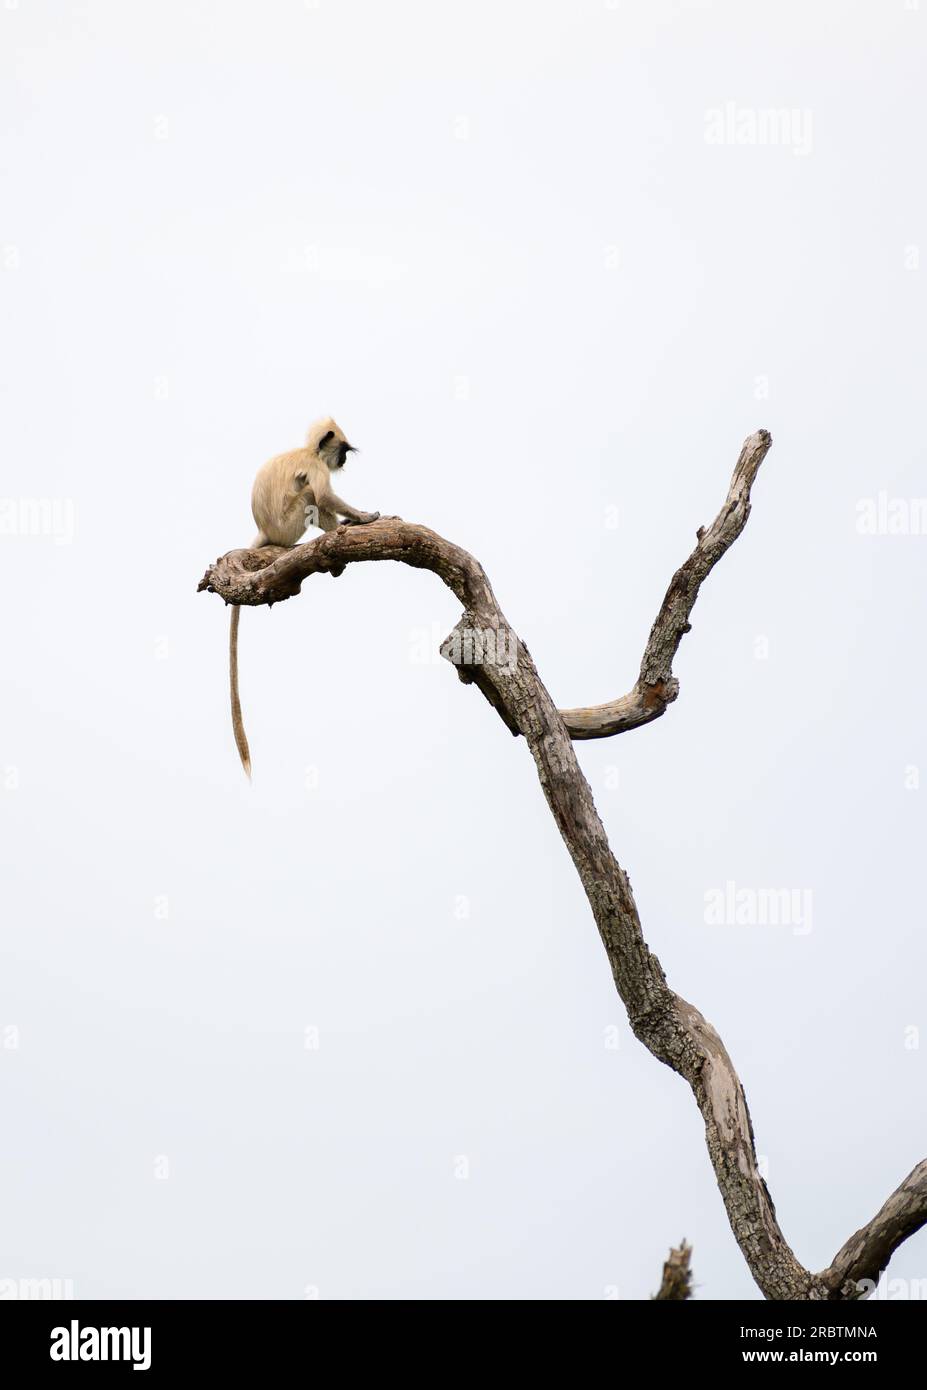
x=293 y=491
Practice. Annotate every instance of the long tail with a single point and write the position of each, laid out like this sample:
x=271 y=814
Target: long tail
x=238 y=728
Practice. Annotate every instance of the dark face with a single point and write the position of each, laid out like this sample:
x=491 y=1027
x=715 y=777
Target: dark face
x=335 y=456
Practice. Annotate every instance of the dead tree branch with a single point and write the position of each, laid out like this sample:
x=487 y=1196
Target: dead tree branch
x=676 y=1285
x=673 y=1030
x=656 y=686
x=861 y=1261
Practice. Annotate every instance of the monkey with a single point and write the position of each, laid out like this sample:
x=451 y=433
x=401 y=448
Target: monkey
x=293 y=491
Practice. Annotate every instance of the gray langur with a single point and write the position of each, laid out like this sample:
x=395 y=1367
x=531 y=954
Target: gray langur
x=293 y=491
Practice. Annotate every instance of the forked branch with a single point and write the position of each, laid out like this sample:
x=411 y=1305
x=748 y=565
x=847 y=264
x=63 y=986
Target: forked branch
x=487 y=652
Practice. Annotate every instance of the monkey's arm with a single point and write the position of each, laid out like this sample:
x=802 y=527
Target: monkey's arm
x=335 y=504
x=328 y=501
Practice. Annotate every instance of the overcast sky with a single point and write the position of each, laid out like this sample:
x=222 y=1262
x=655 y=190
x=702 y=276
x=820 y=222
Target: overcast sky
x=350 y=1030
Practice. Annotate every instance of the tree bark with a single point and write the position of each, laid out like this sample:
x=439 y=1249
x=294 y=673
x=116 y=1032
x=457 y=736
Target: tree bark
x=676 y=1285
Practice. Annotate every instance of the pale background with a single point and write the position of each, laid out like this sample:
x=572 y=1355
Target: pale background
x=492 y=240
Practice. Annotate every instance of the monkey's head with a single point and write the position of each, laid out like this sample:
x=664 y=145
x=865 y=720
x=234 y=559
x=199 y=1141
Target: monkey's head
x=327 y=440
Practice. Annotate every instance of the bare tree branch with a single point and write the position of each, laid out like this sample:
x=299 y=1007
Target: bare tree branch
x=676 y=1285
x=866 y=1254
x=656 y=686
x=673 y=1030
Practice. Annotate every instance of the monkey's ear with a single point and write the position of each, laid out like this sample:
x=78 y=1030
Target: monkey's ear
x=329 y=434
x=300 y=480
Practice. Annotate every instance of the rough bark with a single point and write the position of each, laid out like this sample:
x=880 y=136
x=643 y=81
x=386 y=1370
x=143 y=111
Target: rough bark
x=676 y=1285
x=673 y=1030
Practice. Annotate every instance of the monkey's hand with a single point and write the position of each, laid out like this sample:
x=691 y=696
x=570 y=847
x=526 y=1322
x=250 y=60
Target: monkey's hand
x=362 y=519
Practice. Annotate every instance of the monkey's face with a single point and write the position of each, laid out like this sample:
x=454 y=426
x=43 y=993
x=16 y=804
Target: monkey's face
x=344 y=448
x=331 y=444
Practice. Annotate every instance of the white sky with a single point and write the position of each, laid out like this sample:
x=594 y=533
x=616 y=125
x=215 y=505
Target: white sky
x=494 y=241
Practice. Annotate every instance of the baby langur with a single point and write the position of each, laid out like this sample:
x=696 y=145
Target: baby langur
x=291 y=492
